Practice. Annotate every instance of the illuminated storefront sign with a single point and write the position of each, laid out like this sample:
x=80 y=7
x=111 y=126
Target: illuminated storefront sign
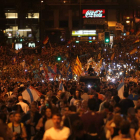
x=91 y=13
x=84 y=33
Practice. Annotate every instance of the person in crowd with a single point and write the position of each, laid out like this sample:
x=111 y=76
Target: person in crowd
x=107 y=99
x=124 y=132
x=78 y=132
x=18 y=129
x=57 y=132
x=11 y=117
x=43 y=119
x=24 y=106
x=92 y=120
x=42 y=103
x=5 y=131
x=113 y=126
x=56 y=99
x=91 y=71
x=72 y=117
x=30 y=120
x=125 y=103
x=85 y=95
x=131 y=117
x=76 y=97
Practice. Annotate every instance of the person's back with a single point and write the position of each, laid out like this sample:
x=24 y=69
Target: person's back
x=125 y=104
x=70 y=119
x=92 y=121
x=24 y=106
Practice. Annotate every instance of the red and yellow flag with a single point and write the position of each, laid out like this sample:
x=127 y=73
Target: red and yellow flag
x=133 y=51
x=46 y=40
x=78 y=67
x=112 y=57
x=136 y=41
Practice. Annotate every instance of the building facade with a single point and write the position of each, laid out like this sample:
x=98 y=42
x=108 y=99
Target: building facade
x=57 y=18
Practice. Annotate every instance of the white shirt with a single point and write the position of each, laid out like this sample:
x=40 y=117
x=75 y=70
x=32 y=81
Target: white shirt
x=24 y=106
x=57 y=134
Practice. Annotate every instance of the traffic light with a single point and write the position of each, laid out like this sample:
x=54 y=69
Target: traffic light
x=107 y=37
x=58 y=58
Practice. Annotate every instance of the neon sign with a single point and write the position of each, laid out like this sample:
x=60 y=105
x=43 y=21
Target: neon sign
x=90 y=13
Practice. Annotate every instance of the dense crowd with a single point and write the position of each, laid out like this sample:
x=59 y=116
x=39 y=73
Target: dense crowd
x=77 y=112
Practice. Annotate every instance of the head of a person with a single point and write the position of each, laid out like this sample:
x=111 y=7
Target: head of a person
x=11 y=117
x=72 y=108
x=42 y=101
x=126 y=94
x=85 y=90
x=62 y=104
x=48 y=113
x=59 y=92
x=124 y=128
x=138 y=112
x=20 y=98
x=117 y=109
x=33 y=107
x=90 y=66
x=4 y=109
x=77 y=94
x=138 y=102
x=92 y=104
x=56 y=118
x=66 y=110
x=78 y=129
x=17 y=117
x=117 y=120
x=108 y=95
x=84 y=104
x=3 y=118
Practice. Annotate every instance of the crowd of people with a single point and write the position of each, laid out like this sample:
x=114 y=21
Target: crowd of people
x=77 y=112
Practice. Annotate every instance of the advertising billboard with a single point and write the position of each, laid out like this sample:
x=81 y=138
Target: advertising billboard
x=93 y=13
x=84 y=33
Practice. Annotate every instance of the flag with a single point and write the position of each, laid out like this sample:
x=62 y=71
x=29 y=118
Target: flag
x=112 y=57
x=137 y=33
x=99 y=56
x=50 y=70
x=133 y=51
x=100 y=63
x=44 y=72
x=137 y=19
x=90 y=60
x=23 y=64
x=136 y=41
x=14 y=60
x=46 y=40
x=61 y=87
x=31 y=94
x=44 y=51
x=67 y=64
x=121 y=89
x=69 y=42
x=69 y=73
x=78 y=67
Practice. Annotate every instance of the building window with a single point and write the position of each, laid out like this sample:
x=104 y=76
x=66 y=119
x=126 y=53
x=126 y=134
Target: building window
x=33 y=15
x=63 y=23
x=11 y=15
